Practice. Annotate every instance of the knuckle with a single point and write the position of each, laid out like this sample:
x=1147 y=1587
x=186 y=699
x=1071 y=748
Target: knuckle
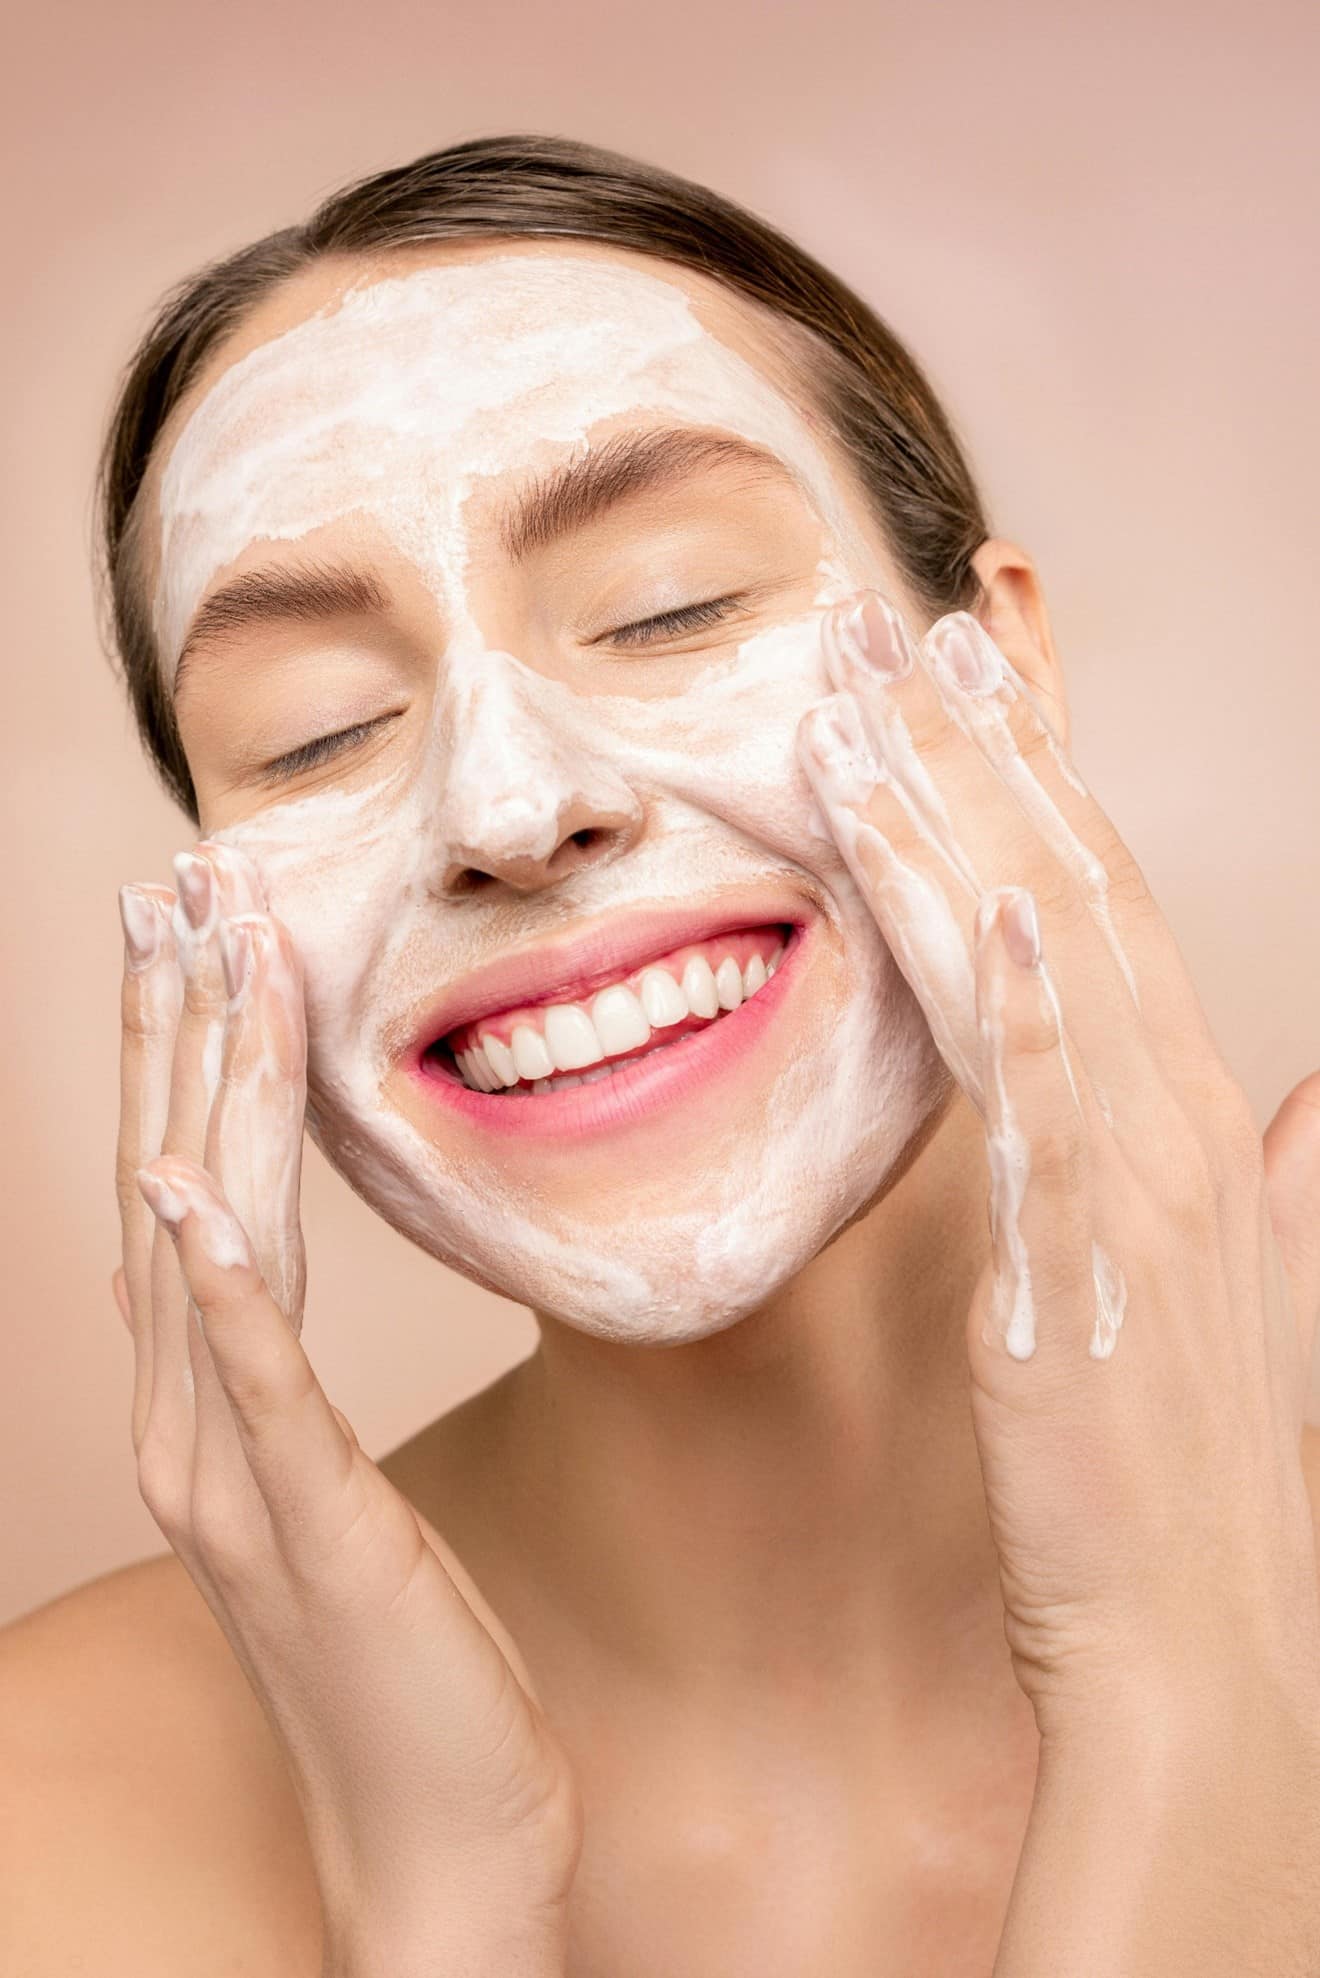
x=137 y=1025
x=1217 y=1102
x=1189 y=1195
x=1237 y=1135
x=162 y=1486
x=202 y=1002
x=1033 y=738
x=269 y=1383
x=936 y=738
x=1028 y=1027
x=1125 y=880
x=1059 y=899
x=222 y=1532
x=1059 y=1160
x=127 y=1193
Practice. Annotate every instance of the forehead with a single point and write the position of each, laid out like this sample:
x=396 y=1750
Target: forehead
x=393 y=389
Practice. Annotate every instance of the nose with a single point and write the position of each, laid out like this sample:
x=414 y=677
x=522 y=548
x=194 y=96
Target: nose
x=526 y=798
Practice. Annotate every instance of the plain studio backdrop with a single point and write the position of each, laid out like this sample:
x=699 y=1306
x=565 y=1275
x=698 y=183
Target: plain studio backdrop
x=1095 y=229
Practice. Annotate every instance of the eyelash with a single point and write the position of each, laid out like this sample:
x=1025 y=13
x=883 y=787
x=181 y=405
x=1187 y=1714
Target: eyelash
x=312 y=753
x=688 y=618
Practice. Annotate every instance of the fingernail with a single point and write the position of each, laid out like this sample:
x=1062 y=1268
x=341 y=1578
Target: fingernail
x=141 y=922
x=193 y=879
x=163 y=1201
x=967 y=653
x=836 y=745
x=1021 y=928
x=872 y=635
x=242 y=887
x=235 y=956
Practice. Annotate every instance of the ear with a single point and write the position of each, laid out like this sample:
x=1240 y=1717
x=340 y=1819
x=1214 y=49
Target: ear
x=1013 y=612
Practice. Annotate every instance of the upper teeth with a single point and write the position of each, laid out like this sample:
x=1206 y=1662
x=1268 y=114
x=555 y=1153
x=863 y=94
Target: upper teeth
x=616 y=1018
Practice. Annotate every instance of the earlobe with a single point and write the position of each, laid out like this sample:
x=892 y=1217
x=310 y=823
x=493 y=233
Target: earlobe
x=1014 y=613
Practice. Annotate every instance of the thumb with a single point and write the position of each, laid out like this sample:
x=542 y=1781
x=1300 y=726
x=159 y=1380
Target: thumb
x=119 y=1285
x=1292 y=1185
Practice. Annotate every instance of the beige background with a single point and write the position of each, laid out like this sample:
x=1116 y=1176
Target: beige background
x=1097 y=234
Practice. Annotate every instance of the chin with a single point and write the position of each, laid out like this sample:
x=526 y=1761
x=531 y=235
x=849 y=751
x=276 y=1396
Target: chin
x=674 y=1250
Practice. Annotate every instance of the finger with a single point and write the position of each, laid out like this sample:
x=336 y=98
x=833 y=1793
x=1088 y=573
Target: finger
x=951 y=816
x=254 y=1140
x=238 y=883
x=1292 y=1179
x=254 y=1151
x=297 y=1453
x=200 y=1040
x=911 y=909
x=1039 y=1154
x=119 y=1290
x=930 y=933
x=992 y=705
x=150 y=1002
x=211 y=881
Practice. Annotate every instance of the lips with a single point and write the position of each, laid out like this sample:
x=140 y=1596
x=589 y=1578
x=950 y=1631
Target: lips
x=533 y=1044
x=682 y=1073
x=570 y=971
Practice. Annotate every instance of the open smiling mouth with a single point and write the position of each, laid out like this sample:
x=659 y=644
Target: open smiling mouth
x=539 y=1048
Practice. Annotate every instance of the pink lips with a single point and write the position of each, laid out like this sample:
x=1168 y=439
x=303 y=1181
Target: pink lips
x=764 y=941
x=641 y=1085
x=566 y=971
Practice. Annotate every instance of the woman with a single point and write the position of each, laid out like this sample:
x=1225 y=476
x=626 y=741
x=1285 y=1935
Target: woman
x=637 y=831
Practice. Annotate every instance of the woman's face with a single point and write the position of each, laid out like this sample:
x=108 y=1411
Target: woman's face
x=545 y=532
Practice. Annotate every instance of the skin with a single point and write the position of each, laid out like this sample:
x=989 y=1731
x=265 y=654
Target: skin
x=452 y=834
x=808 y=1692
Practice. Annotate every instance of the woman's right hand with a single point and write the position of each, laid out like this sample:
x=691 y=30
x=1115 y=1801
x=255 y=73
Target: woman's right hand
x=442 y=1812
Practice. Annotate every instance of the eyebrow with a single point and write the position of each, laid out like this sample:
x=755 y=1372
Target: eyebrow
x=297 y=593
x=545 y=509
x=568 y=497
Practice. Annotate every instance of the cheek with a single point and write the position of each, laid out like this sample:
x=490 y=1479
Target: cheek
x=727 y=746
x=717 y=768
x=338 y=870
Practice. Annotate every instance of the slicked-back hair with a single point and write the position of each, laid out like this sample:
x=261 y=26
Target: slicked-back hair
x=867 y=387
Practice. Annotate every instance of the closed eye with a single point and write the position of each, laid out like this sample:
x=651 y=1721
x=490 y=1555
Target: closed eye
x=320 y=750
x=666 y=624
x=644 y=631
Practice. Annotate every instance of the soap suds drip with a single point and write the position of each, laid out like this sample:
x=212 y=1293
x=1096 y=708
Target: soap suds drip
x=1009 y=1158
x=1110 y=1302
x=984 y=719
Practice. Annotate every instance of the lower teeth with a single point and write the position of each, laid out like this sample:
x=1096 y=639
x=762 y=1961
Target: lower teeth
x=585 y=1077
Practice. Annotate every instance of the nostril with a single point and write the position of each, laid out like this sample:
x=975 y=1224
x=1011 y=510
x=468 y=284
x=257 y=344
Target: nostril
x=566 y=858
x=468 y=881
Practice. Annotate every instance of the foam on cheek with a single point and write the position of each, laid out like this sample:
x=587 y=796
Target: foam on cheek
x=355 y=876
x=706 y=784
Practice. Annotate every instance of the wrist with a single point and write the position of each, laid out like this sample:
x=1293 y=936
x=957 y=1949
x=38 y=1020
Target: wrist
x=1198 y=1702
x=458 y=1954
x=455 y=1936
x=1177 y=1842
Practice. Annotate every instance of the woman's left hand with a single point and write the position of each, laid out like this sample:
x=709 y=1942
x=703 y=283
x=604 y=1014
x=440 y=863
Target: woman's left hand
x=1140 y=1339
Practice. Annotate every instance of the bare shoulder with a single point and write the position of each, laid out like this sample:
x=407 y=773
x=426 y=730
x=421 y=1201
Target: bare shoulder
x=147 y=1823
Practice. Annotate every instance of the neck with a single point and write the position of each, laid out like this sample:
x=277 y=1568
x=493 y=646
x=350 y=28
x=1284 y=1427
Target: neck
x=793 y=1499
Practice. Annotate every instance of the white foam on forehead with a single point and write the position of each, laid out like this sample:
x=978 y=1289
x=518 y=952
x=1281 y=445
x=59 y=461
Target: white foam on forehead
x=395 y=398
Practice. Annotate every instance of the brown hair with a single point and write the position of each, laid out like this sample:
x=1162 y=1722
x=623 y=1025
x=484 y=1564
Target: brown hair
x=870 y=389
